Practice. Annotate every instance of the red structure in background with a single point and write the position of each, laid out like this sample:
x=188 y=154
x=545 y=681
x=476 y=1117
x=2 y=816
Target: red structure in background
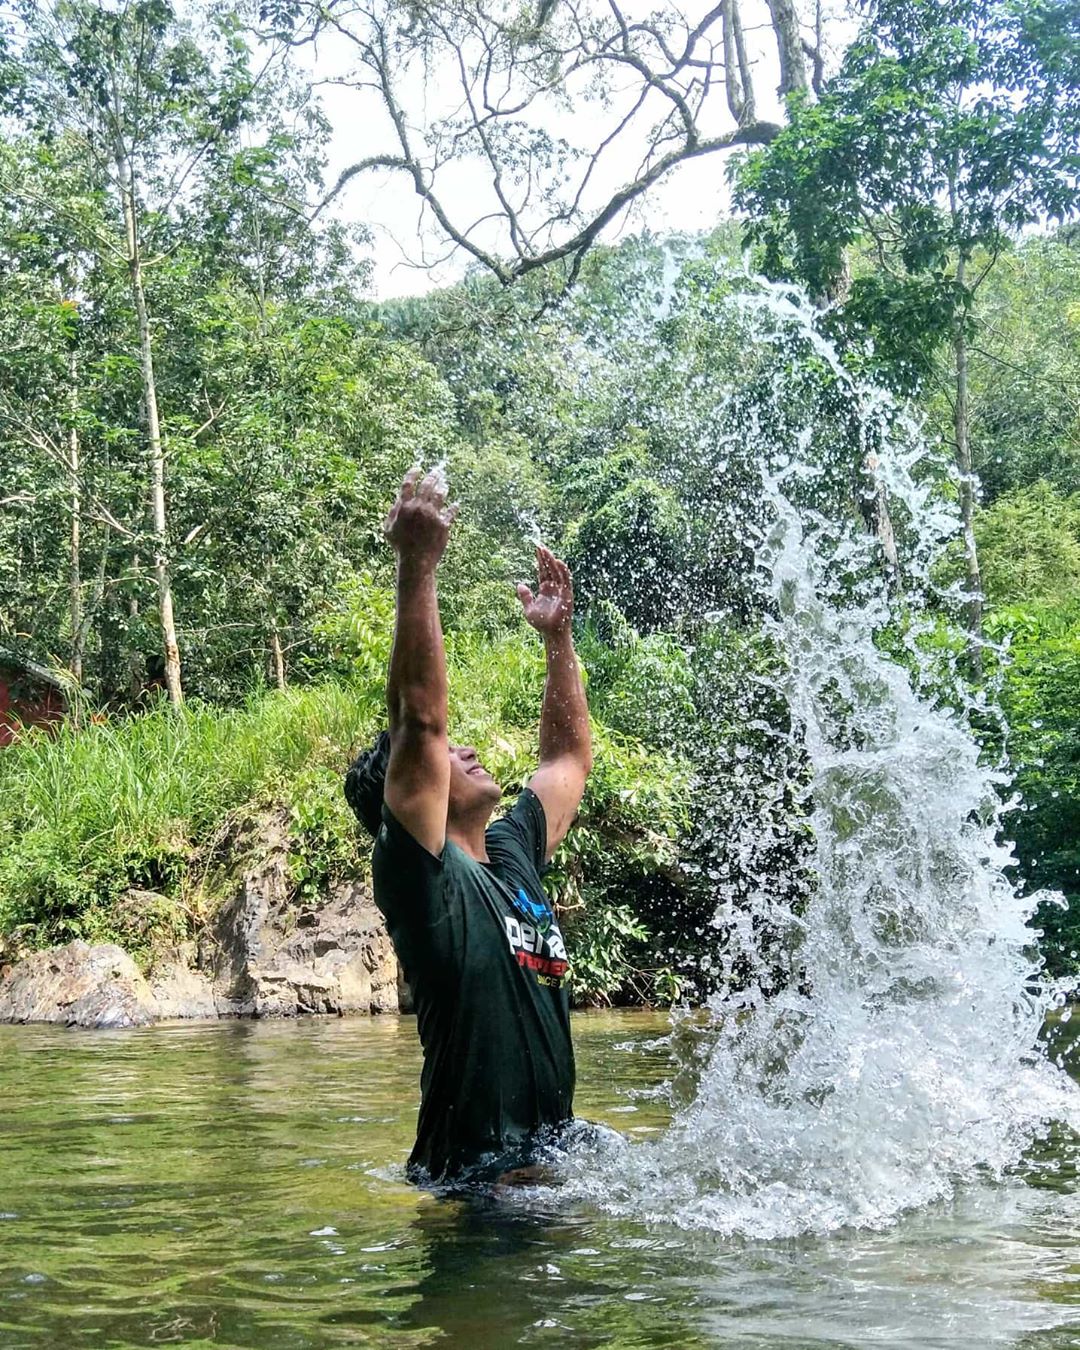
x=30 y=696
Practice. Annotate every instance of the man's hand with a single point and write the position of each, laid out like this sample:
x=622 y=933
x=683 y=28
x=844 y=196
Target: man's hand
x=418 y=525
x=550 y=610
x=565 y=745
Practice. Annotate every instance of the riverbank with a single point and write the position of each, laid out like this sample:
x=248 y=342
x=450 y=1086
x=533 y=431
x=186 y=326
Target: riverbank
x=144 y=832
x=264 y=953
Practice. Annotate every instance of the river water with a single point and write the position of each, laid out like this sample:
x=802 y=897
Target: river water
x=240 y=1184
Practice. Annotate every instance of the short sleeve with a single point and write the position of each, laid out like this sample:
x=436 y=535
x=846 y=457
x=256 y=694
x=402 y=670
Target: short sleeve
x=526 y=825
x=408 y=879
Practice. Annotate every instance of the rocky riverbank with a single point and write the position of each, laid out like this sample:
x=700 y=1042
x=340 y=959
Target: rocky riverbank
x=262 y=954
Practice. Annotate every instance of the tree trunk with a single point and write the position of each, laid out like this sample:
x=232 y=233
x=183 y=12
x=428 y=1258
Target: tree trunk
x=170 y=647
x=74 y=568
x=277 y=656
x=738 y=85
x=873 y=504
x=91 y=609
x=136 y=664
x=961 y=433
x=785 y=24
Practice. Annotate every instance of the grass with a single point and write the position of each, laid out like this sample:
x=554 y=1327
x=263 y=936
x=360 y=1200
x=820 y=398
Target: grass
x=84 y=815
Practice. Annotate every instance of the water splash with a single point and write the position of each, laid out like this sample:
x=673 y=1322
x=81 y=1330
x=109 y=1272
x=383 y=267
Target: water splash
x=529 y=523
x=900 y=1059
x=437 y=473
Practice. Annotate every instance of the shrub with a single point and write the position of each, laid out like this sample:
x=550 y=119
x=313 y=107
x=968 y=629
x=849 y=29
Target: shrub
x=1041 y=704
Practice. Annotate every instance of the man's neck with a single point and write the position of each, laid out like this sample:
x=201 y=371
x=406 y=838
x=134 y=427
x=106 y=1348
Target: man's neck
x=470 y=836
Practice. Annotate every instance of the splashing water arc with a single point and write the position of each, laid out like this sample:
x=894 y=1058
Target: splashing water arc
x=904 y=1060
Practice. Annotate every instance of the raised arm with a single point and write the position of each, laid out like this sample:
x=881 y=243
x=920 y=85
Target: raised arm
x=418 y=776
x=565 y=742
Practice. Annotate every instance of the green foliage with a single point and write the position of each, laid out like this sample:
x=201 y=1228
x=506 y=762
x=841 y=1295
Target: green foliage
x=898 y=196
x=322 y=846
x=607 y=941
x=621 y=856
x=148 y=802
x=628 y=541
x=1025 y=369
x=641 y=686
x=281 y=498
x=138 y=802
x=613 y=426
x=1029 y=541
x=357 y=635
x=950 y=125
x=1029 y=547
x=1040 y=699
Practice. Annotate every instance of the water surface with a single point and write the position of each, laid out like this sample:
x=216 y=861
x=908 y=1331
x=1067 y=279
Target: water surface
x=240 y=1184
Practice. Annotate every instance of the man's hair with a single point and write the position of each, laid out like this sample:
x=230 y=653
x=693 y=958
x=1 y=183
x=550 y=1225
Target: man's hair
x=366 y=781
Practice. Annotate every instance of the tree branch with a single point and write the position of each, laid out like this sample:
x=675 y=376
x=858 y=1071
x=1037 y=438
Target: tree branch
x=507 y=66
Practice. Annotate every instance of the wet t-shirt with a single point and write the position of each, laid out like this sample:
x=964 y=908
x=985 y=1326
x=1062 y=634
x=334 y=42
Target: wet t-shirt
x=486 y=964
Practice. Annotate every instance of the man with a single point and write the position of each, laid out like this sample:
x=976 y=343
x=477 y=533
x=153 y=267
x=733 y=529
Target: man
x=463 y=898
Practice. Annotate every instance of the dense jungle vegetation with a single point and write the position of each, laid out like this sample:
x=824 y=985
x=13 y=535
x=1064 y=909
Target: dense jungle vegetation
x=203 y=416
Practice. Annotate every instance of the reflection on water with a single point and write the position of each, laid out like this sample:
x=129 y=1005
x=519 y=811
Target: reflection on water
x=240 y=1184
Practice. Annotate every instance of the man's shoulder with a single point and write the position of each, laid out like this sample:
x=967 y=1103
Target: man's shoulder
x=399 y=858
x=520 y=836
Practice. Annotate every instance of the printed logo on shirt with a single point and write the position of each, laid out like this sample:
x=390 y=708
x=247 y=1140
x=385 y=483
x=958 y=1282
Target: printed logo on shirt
x=539 y=915
x=542 y=953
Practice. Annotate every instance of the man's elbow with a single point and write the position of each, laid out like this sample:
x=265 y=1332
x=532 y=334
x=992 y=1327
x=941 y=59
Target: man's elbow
x=413 y=715
x=581 y=759
x=569 y=765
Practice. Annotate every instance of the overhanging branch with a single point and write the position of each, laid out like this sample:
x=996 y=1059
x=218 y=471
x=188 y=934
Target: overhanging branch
x=654 y=72
x=756 y=133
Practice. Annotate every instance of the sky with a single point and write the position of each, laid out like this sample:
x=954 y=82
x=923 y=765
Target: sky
x=410 y=255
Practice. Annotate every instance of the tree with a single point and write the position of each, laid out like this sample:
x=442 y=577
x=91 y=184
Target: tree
x=52 y=340
x=1029 y=541
x=1039 y=696
x=951 y=125
x=1025 y=371
x=657 y=84
x=145 y=99
x=255 y=220
x=281 y=497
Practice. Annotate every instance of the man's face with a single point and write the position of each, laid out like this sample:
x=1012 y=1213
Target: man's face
x=471 y=786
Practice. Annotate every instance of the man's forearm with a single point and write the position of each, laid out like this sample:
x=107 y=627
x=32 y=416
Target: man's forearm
x=564 y=717
x=416 y=684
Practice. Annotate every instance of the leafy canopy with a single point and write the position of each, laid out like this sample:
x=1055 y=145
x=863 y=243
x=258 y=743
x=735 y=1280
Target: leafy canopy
x=950 y=126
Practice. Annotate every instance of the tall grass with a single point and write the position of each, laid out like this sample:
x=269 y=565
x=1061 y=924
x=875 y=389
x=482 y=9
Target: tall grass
x=86 y=814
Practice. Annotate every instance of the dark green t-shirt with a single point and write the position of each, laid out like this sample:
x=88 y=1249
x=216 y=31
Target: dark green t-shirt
x=488 y=979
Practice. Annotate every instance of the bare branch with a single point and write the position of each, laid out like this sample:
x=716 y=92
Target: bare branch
x=44 y=443
x=813 y=54
x=745 y=74
x=28 y=194
x=733 y=83
x=646 y=81
x=760 y=133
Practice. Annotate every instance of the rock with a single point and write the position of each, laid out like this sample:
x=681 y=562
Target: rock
x=134 y=910
x=181 y=990
x=268 y=958
x=263 y=956
x=139 y=917
x=344 y=944
x=78 y=985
